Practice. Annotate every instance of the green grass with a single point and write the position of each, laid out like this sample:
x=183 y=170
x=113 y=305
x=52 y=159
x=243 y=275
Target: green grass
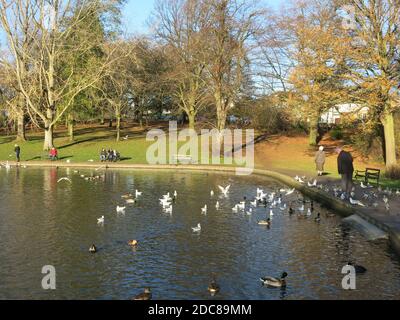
x=86 y=146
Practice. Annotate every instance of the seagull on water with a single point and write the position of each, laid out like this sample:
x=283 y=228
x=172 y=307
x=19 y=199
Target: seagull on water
x=204 y=210
x=100 y=220
x=225 y=190
x=120 y=209
x=197 y=229
x=64 y=179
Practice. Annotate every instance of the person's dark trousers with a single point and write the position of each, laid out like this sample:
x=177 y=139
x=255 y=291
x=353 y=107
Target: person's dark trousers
x=18 y=159
x=347 y=183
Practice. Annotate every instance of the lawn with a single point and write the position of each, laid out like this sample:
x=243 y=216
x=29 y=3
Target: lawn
x=289 y=155
x=87 y=144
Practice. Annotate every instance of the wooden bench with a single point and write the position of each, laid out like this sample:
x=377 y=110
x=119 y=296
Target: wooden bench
x=182 y=158
x=369 y=174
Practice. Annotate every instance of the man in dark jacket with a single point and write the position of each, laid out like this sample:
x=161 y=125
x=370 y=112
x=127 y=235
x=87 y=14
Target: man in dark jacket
x=346 y=169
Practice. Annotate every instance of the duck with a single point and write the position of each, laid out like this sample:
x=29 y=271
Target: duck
x=291 y=211
x=130 y=201
x=133 y=243
x=92 y=249
x=145 y=295
x=274 y=282
x=265 y=222
x=213 y=287
x=359 y=269
x=318 y=218
x=127 y=196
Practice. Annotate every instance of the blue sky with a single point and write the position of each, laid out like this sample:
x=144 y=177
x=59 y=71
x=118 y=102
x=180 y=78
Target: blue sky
x=136 y=13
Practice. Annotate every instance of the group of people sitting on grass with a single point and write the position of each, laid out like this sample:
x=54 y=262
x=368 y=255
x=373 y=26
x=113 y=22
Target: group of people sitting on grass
x=109 y=155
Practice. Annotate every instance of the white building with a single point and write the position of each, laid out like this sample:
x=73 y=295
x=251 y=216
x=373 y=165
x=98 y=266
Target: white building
x=334 y=114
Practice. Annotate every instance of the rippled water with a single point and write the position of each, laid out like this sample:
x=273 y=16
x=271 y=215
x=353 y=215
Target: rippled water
x=43 y=222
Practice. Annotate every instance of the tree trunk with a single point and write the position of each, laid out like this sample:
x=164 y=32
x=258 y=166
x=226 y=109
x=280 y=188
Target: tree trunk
x=71 y=126
x=48 y=130
x=390 y=142
x=48 y=138
x=102 y=117
x=191 y=116
x=313 y=136
x=110 y=123
x=21 y=127
x=118 y=119
x=221 y=111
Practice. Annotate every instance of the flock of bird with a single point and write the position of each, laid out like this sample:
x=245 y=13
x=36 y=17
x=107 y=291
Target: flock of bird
x=371 y=196
x=274 y=202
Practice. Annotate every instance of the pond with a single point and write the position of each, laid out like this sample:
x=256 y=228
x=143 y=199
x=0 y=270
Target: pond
x=43 y=222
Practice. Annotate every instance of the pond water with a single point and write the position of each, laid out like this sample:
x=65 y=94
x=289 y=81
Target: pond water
x=43 y=222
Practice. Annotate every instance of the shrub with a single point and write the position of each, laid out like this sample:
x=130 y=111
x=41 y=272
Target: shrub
x=393 y=172
x=336 y=133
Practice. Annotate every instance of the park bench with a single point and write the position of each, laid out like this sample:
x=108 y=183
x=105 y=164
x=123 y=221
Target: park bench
x=368 y=174
x=182 y=158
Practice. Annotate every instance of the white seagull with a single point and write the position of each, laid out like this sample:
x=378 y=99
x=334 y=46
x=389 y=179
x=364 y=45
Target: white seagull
x=224 y=190
x=100 y=220
x=356 y=202
x=120 y=209
x=64 y=179
x=197 y=229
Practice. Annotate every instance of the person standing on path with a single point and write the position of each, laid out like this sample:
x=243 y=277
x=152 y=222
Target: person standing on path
x=345 y=169
x=320 y=160
x=17 y=151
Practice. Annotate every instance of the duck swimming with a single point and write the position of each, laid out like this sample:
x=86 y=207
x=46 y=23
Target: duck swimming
x=93 y=249
x=265 y=222
x=146 y=295
x=133 y=243
x=274 y=282
x=213 y=287
x=359 y=269
x=318 y=218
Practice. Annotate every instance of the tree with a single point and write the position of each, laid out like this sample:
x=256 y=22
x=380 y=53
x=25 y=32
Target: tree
x=319 y=53
x=234 y=25
x=182 y=29
x=48 y=24
x=374 y=62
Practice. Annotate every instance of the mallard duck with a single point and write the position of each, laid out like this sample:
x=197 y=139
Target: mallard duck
x=213 y=287
x=291 y=211
x=133 y=243
x=274 y=282
x=265 y=222
x=358 y=268
x=93 y=249
x=146 y=295
x=318 y=218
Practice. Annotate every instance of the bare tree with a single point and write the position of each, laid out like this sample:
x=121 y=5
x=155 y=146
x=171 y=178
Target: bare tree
x=47 y=25
x=182 y=27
